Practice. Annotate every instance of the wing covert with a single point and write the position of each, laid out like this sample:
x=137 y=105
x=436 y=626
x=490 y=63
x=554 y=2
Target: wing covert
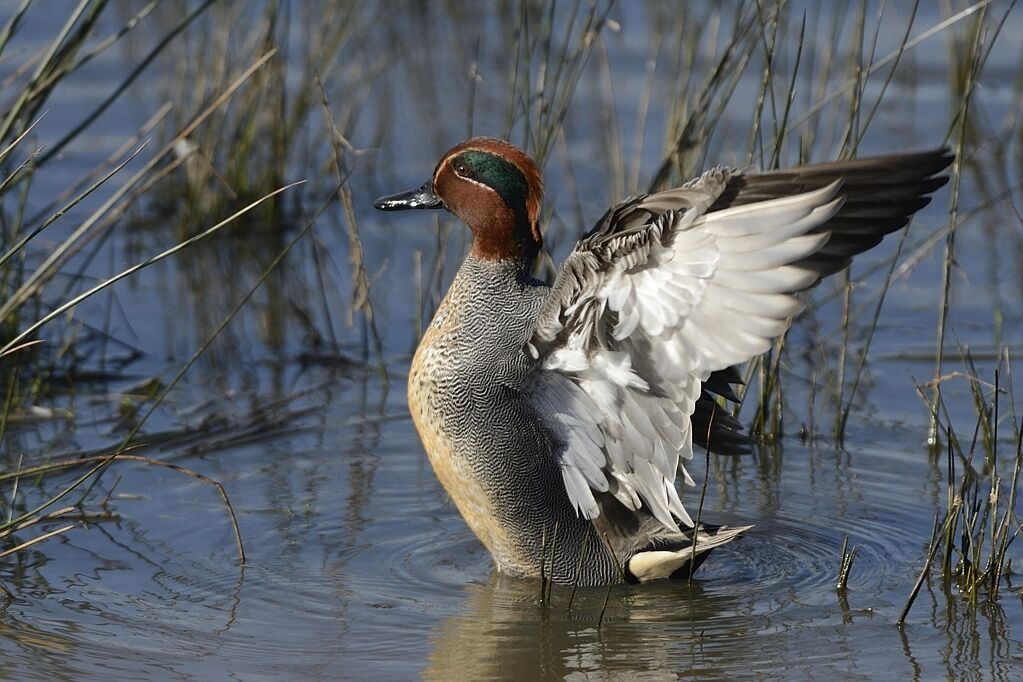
x=671 y=290
x=657 y=297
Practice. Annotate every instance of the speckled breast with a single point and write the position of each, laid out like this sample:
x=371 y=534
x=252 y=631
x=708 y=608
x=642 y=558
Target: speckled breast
x=433 y=389
x=454 y=392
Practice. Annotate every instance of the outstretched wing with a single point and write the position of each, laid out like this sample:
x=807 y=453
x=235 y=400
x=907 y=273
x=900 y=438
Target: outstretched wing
x=672 y=287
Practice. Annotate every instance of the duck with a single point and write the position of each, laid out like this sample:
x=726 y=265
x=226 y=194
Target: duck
x=559 y=416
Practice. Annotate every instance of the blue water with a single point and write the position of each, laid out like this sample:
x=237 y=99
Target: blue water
x=357 y=564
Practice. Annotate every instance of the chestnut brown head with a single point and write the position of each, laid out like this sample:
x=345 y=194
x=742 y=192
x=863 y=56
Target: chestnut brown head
x=494 y=187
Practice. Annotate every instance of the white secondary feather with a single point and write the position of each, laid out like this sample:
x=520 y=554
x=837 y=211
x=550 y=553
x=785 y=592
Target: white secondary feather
x=658 y=296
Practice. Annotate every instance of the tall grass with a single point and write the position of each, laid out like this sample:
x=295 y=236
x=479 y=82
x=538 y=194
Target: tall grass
x=258 y=97
x=291 y=120
x=814 y=95
x=30 y=277
x=971 y=538
x=823 y=81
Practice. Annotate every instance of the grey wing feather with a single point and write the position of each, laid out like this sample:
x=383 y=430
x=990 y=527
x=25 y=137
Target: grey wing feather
x=657 y=303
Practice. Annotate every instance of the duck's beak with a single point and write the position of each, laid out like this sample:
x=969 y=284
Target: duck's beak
x=423 y=197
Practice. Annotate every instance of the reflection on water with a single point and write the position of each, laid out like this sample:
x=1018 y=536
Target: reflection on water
x=358 y=566
x=357 y=561
x=503 y=633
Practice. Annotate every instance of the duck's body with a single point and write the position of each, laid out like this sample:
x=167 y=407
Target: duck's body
x=496 y=454
x=487 y=443
x=555 y=416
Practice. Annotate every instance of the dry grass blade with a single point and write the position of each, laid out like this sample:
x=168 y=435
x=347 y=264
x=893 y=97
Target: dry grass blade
x=139 y=68
x=547 y=73
x=205 y=479
x=718 y=86
x=974 y=61
x=18 y=245
x=845 y=565
x=18 y=173
x=12 y=25
x=59 y=310
x=881 y=63
x=923 y=571
x=16 y=141
x=23 y=346
x=107 y=460
x=865 y=122
x=621 y=577
x=703 y=492
x=36 y=540
x=78 y=238
x=980 y=522
x=56 y=514
x=361 y=296
x=104 y=460
x=30 y=91
x=584 y=554
x=847 y=320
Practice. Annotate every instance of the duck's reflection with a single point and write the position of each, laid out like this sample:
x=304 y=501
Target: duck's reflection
x=504 y=632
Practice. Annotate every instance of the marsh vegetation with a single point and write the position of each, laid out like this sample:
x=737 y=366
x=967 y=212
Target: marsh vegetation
x=204 y=330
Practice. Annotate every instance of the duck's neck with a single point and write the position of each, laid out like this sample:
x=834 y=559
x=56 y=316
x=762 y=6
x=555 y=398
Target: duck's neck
x=489 y=277
x=500 y=231
x=504 y=238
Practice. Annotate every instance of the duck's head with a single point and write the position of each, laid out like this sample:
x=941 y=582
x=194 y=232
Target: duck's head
x=494 y=187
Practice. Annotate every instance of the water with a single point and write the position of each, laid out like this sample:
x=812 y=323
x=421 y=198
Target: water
x=357 y=564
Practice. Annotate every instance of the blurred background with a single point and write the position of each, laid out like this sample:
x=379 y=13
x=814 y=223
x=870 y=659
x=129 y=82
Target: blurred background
x=267 y=352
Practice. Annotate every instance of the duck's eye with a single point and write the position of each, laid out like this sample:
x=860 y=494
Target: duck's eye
x=462 y=168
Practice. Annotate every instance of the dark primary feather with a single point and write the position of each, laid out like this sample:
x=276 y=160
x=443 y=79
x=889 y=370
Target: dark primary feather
x=881 y=195
x=713 y=425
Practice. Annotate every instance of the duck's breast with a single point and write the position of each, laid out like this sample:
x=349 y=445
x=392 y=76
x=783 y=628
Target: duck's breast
x=488 y=447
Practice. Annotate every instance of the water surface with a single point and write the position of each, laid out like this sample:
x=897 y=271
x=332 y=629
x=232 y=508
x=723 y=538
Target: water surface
x=357 y=564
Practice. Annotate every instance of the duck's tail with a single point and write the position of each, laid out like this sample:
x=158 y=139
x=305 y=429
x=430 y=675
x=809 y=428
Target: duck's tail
x=680 y=562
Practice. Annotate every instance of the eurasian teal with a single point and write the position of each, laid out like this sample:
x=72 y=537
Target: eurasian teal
x=557 y=416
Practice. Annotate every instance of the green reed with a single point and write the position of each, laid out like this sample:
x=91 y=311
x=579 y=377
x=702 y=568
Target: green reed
x=243 y=122
x=971 y=539
x=815 y=96
x=29 y=358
